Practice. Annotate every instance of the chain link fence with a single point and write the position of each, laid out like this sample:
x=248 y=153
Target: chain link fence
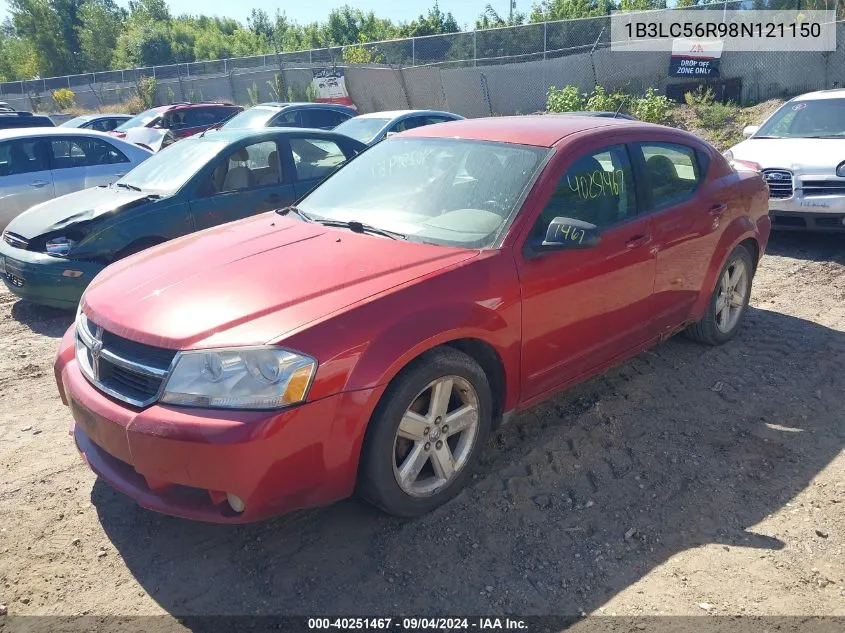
x=477 y=73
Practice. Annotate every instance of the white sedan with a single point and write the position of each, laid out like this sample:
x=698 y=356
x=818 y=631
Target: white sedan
x=38 y=164
x=800 y=150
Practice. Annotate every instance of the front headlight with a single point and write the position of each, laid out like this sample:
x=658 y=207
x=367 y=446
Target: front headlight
x=240 y=378
x=60 y=246
x=840 y=170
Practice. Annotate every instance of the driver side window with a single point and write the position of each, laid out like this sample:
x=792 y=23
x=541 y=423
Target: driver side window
x=597 y=188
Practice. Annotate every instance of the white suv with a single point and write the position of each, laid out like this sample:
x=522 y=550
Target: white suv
x=800 y=151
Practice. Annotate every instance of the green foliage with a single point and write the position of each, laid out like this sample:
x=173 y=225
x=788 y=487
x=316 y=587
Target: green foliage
x=362 y=55
x=171 y=96
x=311 y=93
x=195 y=96
x=651 y=107
x=276 y=87
x=566 y=99
x=253 y=97
x=64 y=98
x=716 y=114
x=148 y=91
x=601 y=101
x=701 y=96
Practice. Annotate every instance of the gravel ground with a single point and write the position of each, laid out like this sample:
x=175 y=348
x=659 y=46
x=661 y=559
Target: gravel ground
x=687 y=481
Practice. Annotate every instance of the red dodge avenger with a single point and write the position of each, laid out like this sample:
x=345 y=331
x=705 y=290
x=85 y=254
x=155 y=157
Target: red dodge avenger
x=371 y=338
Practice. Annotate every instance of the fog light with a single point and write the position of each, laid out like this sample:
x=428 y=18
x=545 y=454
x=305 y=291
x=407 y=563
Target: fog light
x=236 y=502
x=73 y=274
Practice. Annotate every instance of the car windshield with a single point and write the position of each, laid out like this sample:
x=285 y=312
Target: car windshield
x=450 y=192
x=168 y=171
x=76 y=121
x=252 y=118
x=139 y=120
x=361 y=129
x=814 y=118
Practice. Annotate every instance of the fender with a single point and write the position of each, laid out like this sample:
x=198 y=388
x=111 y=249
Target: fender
x=738 y=231
x=371 y=342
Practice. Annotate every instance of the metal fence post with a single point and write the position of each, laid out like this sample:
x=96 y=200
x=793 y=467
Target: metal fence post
x=474 y=49
x=413 y=51
x=545 y=37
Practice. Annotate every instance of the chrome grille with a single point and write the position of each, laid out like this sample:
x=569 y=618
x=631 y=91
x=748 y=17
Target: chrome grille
x=814 y=188
x=124 y=369
x=779 y=181
x=14 y=240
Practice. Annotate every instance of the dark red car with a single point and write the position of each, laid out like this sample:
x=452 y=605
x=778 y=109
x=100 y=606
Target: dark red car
x=372 y=338
x=181 y=119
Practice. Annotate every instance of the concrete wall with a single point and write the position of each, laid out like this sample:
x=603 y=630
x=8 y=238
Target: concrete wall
x=518 y=88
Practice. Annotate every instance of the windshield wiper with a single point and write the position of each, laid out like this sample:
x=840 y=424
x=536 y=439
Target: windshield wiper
x=360 y=227
x=296 y=210
x=756 y=137
x=126 y=186
x=826 y=136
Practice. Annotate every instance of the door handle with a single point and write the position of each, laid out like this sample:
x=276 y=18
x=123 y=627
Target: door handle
x=718 y=209
x=637 y=241
x=39 y=183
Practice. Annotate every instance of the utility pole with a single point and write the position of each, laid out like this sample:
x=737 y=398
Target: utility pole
x=510 y=14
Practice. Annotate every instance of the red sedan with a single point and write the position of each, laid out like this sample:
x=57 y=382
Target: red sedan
x=371 y=338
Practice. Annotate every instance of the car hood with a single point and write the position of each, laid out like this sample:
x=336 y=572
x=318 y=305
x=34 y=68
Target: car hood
x=74 y=208
x=252 y=282
x=152 y=137
x=800 y=155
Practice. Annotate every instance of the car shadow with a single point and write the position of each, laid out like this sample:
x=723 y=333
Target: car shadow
x=820 y=247
x=51 y=322
x=574 y=500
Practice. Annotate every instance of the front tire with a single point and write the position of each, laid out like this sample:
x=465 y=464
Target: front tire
x=729 y=302
x=426 y=434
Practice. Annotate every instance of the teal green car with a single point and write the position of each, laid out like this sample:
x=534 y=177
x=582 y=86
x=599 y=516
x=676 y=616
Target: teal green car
x=51 y=252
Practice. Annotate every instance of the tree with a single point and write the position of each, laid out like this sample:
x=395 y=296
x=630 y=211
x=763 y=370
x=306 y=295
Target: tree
x=491 y=19
x=435 y=22
x=101 y=22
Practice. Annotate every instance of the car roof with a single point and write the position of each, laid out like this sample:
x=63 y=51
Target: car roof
x=196 y=104
x=232 y=135
x=13 y=133
x=539 y=130
x=281 y=105
x=835 y=93
x=394 y=114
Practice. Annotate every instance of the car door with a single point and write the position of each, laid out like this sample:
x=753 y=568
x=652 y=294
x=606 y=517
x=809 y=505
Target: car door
x=584 y=307
x=83 y=162
x=685 y=218
x=314 y=159
x=248 y=179
x=25 y=177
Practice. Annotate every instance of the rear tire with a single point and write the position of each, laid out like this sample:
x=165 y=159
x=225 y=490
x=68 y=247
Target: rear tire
x=426 y=434
x=729 y=301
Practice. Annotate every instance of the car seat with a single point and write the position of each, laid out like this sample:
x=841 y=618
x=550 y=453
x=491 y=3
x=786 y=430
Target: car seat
x=271 y=175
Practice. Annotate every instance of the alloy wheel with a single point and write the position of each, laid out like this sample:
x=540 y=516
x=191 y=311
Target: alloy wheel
x=436 y=436
x=731 y=294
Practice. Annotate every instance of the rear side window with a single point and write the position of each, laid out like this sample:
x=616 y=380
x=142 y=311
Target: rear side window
x=672 y=172
x=256 y=165
x=104 y=125
x=326 y=119
x=407 y=124
x=290 y=118
x=84 y=152
x=315 y=158
x=23 y=156
x=597 y=188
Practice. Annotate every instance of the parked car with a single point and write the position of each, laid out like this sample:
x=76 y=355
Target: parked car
x=99 y=122
x=50 y=253
x=800 y=151
x=10 y=119
x=375 y=126
x=159 y=127
x=324 y=116
x=372 y=337
x=40 y=164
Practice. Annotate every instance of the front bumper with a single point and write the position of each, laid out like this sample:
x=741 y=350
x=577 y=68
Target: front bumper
x=44 y=279
x=183 y=461
x=815 y=213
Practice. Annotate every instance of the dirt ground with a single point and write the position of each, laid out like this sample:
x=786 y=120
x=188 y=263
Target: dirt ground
x=688 y=481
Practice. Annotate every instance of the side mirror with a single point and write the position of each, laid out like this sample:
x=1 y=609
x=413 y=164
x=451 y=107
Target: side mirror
x=750 y=130
x=565 y=234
